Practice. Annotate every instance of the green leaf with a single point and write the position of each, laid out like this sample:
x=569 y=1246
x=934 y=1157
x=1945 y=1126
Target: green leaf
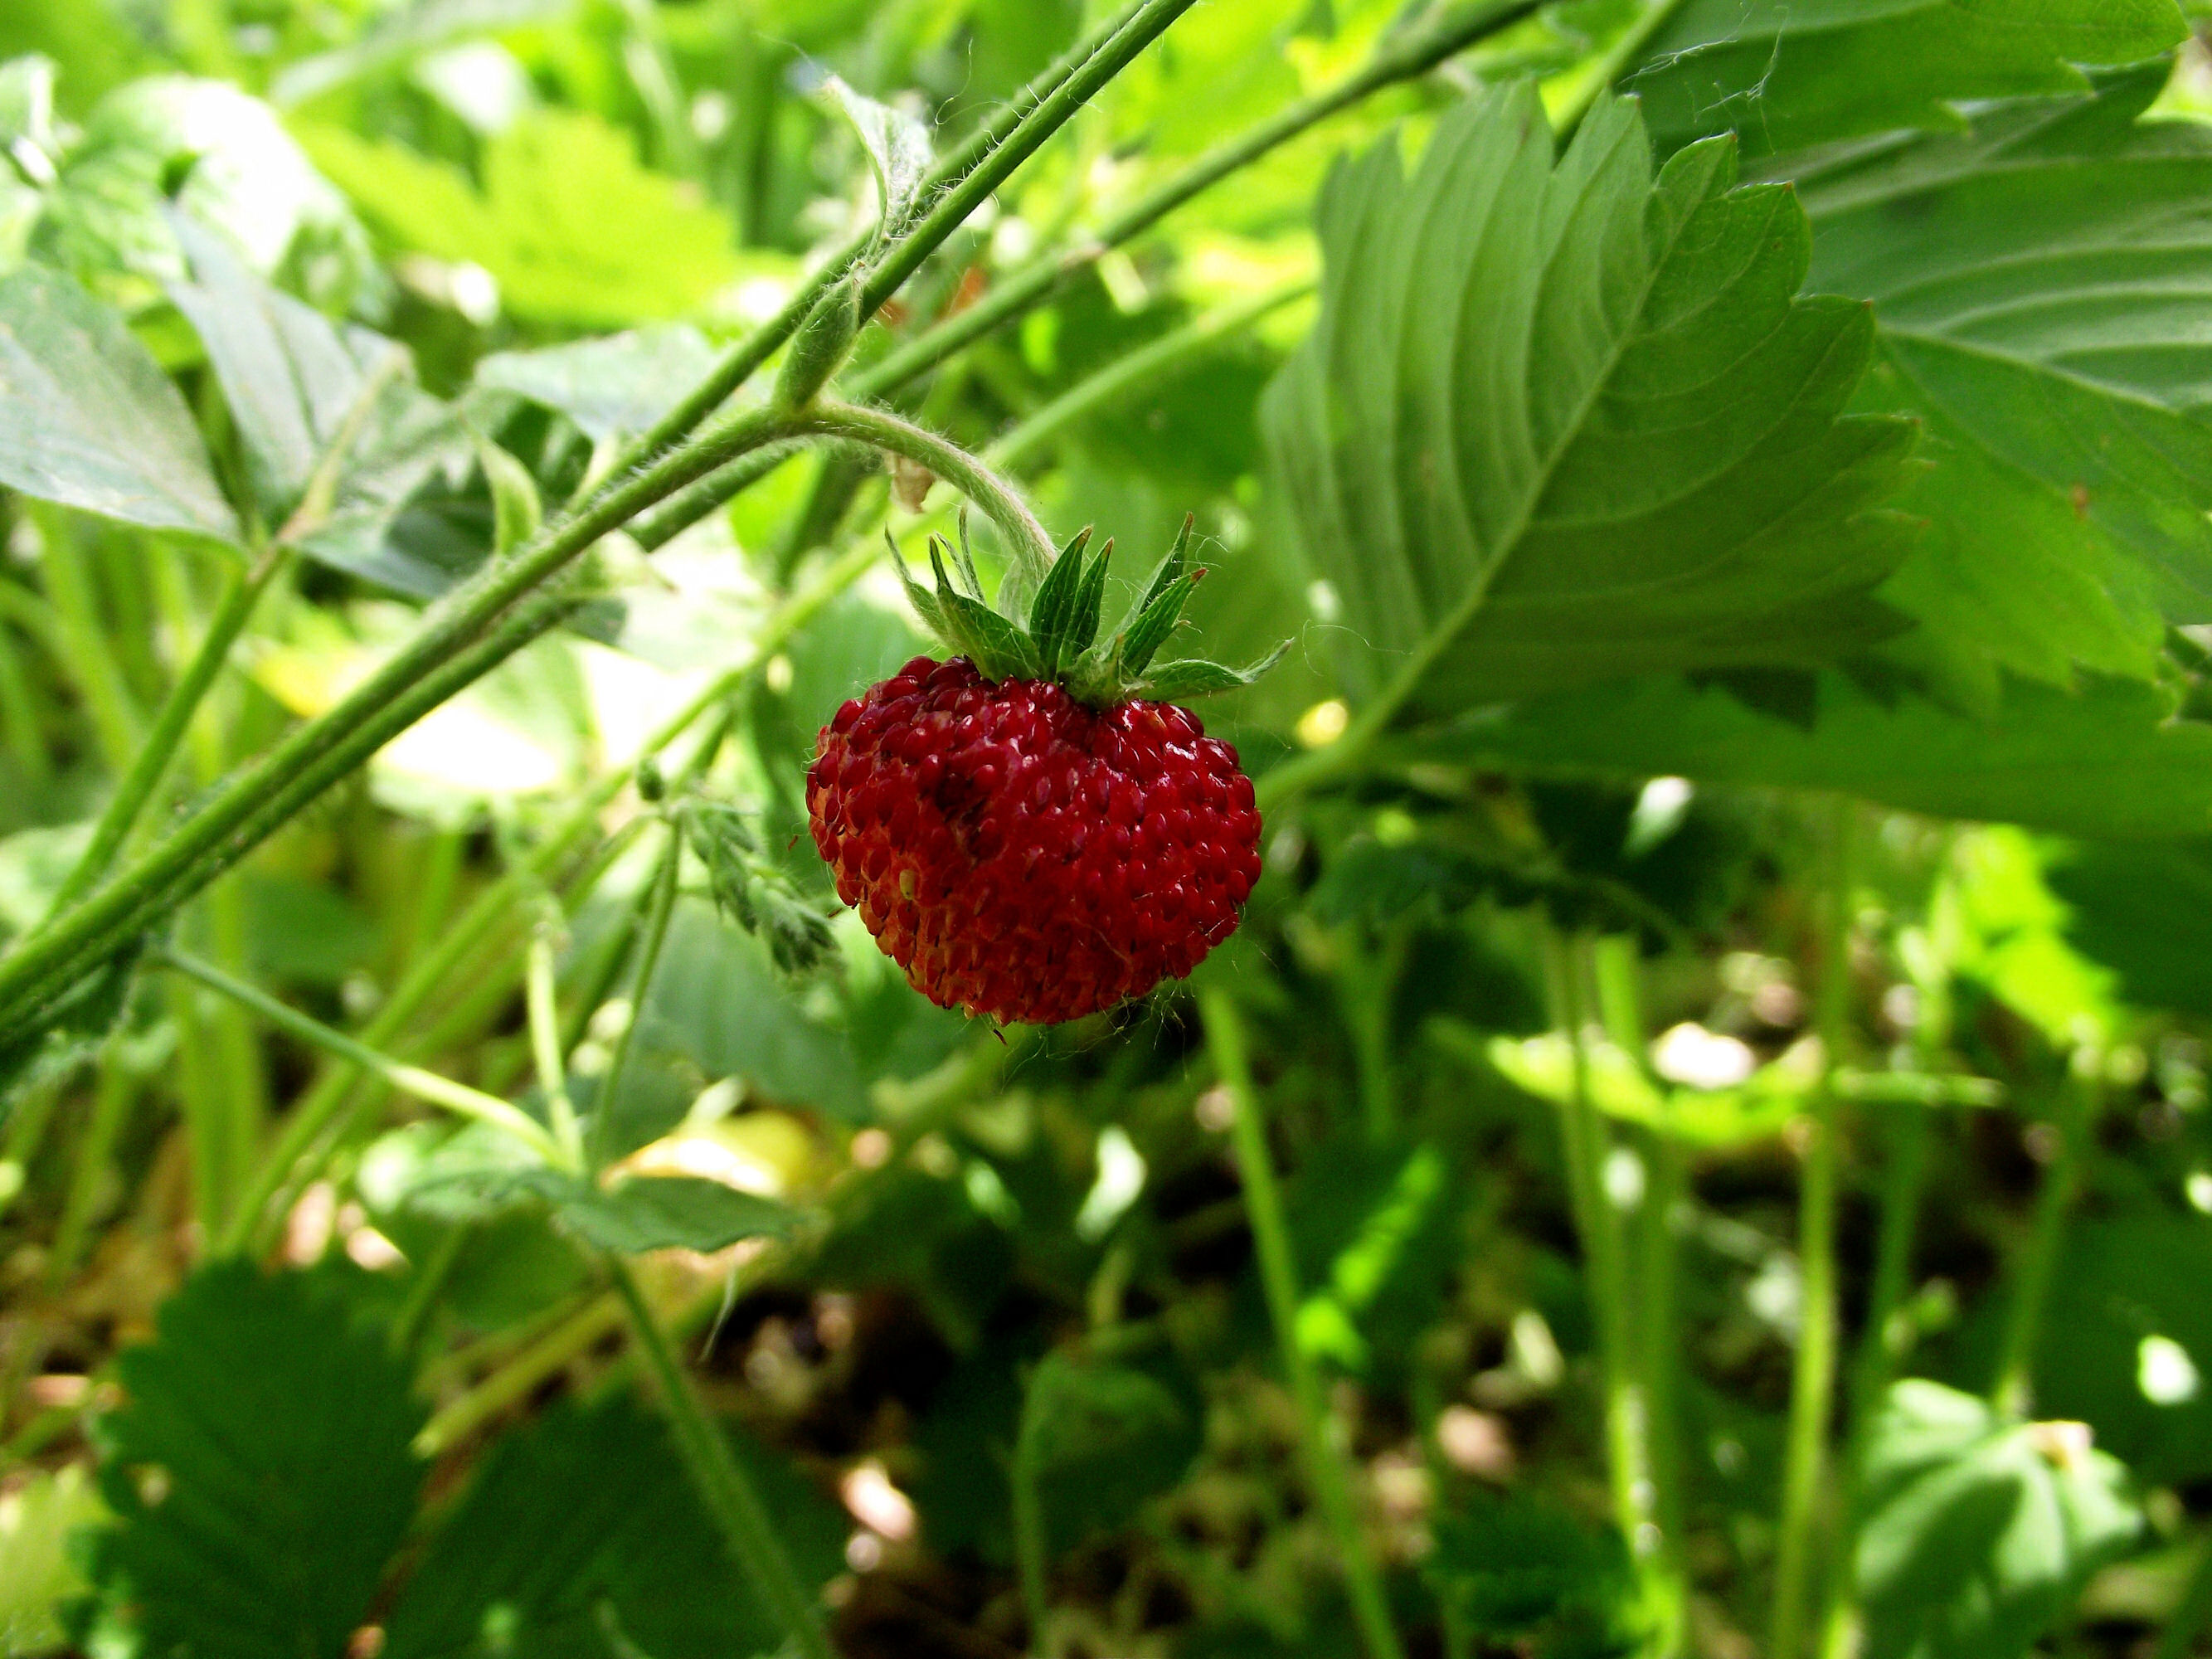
x=1506 y=1566
x=2145 y=911
x=898 y=150
x=1629 y=459
x=1978 y=1532
x=616 y=386
x=2108 y=760
x=38 y=1573
x=569 y=224
x=1784 y=73
x=337 y=435
x=580 y=1533
x=259 y=1473
x=661 y=1212
x=88 y=418
x=2037 y=305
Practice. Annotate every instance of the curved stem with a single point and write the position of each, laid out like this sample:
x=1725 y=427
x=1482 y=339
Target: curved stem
x=1032 y=549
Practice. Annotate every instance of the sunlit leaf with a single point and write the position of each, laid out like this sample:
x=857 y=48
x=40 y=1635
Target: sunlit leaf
x=1978 y=1532
x=1558 y=422
x=1783 y=73
x=88 y=418
x=38 y=1573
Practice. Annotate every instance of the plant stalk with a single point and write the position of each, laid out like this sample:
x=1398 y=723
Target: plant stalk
x=456 y=1098
x=667 y=882
x=722 y=1483
x=1814 y=1375
x=2013 y=1393
x=1325 y=1458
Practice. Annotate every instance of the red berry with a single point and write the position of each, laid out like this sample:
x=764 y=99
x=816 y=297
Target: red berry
x=1023 y=855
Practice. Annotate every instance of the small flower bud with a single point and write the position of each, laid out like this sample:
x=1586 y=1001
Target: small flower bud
x=819 y=348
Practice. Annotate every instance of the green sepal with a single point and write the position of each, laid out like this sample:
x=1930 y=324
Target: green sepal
x=968 y=563
x=998 y=649
x=923 y=601
x=1169 y=567
x=1089 y=604
x=1055 y=606
x=1140 y=642
x=939 y=551
x=1174 y=682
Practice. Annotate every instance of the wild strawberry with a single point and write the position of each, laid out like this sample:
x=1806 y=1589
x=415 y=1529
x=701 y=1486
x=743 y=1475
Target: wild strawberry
x=1029 y=843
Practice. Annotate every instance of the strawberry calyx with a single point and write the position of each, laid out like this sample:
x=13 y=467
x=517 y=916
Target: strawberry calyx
x=1059 y=639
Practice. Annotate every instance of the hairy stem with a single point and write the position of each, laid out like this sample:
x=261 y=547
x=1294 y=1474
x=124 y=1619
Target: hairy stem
x=1813 y=1378
x=1325 y=1457
x=722 y=1483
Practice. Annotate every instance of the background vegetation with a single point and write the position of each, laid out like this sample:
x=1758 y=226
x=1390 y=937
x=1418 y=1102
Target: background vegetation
x=1701 y=1144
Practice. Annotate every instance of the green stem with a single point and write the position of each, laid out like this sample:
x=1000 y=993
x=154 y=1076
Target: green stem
x=71 y=590
x=150 y=763
x=456 y=1098
x=1032 y=549
x=20 y=725
x=435 y=663
x=950 y=210
x=722 y=1483
x=744 y=359
x=33 y=1114
x=666 y=883
x=545 y=1016
x=1588 y=1142
x=1814 y=1375
x=569 y=1339
x=110 y=1108
x=1032 y=1549
x=1654 y=1275
x=430 y=1278
x=1325 y=1459
x=1020 y=290
x=2011 y=1395
x=1133 y=369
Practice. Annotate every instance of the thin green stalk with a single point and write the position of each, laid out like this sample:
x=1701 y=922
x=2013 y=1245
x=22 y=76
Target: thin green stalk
x=1032 y=1550
x=543 y=1003
x=2012 y=1392
x=428 y=1086
x=1588 y=1143
x=150 y=763
x=430 y=1278
x=745 y=358
x=722 y=1483
x=22 y=730
x=33 y=1115
x=1654 y=1271
x=2179 y=1639
x=950 y=210
x=1325 y=1459
x=71 y=590
x=568 y=1340
x=95 y=1150
x=1813 y=1378
x=1133 y=369
x=666 y=883
x=1019 y=291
